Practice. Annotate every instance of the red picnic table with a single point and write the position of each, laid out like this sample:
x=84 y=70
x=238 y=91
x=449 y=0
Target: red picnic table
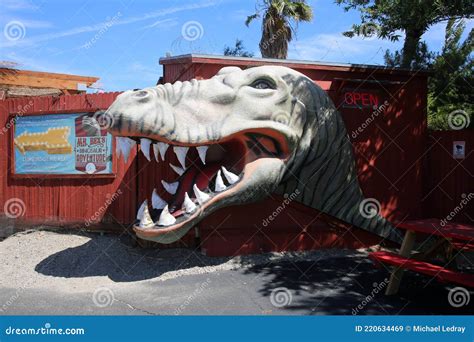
x=450 y=239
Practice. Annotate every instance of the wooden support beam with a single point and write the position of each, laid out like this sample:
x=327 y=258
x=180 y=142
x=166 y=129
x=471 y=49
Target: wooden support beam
x=35 y=79
x=397 y=274
x=37 y=82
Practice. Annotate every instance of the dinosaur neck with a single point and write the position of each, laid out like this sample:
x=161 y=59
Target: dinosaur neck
x=326 y=179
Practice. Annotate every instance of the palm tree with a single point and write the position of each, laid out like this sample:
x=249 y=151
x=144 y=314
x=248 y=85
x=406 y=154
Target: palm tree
x=277 y=29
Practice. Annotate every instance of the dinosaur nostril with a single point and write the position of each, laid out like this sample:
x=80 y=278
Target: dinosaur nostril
x=141 y=93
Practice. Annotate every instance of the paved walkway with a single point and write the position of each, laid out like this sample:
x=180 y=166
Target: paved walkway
x=57 y=273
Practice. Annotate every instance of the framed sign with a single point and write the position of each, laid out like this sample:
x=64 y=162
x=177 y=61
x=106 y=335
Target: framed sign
x=61 y=144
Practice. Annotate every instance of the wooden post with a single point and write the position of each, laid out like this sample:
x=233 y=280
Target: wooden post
x=397 y=274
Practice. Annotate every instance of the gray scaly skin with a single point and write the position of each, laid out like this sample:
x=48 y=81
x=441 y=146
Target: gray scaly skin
x=317 y=161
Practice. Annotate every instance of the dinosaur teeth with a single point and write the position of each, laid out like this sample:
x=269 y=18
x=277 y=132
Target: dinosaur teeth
x=156 y=201
x=200 y=196
x=118 y=145
x=124 y=146
x=141 y=210
x=177 y=169
x=146 y=221
x=188 y=205
x=202 y=150
x=181 y=152
x=220 y=186
x=170 y=187
x=231 y=177
x=162 y=147
x=155 y=151
x=145 y=147
x=166 y=218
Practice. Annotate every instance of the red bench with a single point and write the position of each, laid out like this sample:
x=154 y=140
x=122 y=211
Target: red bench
x=458 y=236
x=442 y=274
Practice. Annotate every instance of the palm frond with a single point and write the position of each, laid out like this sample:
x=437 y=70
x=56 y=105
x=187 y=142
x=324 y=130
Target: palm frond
x=251 y=18
x=277 y=28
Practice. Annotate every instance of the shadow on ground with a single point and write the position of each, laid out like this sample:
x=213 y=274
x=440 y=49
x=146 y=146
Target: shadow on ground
x=120 y=260
x=333 y=285
x=353 y=286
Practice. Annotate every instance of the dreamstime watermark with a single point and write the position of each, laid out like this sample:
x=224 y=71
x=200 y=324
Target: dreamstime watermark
x=368 y=31
x=466 y=198
x=14 y=297
x=110 y=199
x=288 y=199
x=281 y=297
x=103 y=297
x=104 y=119
x=22 y=110
x=47 y=329
x=192 y=30
x=256 y=192
x=266 y=44
x=379 y=110
x=458 y=296
x=14 y=30
x=14 y=208
x=197 y=292
x=106 y=26
x=377 y=287
x=369 y=208
x=458 y=119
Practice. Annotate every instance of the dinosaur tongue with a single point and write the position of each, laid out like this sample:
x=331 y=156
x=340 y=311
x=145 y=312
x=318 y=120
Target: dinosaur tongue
x=198 y=174
x=201 y=177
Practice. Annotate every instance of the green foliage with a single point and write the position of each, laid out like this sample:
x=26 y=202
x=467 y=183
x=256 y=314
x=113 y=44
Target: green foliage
x=450 y=87
x=423 y=58
x=238 y=50
x=277 y=30
x=388 y=17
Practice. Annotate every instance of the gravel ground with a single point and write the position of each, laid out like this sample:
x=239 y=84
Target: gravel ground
x=83 y=260
x=54 y=273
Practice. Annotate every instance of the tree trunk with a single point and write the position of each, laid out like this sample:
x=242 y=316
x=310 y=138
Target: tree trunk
x=274 y=44
x=410 y=47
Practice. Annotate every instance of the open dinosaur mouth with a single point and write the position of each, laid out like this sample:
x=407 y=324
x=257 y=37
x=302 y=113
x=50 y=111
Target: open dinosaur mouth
x=198 y=177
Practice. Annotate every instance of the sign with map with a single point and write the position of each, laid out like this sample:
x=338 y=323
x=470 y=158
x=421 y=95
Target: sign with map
x=62 y=144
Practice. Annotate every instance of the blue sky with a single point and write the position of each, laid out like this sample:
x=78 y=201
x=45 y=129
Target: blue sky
x=121 y=41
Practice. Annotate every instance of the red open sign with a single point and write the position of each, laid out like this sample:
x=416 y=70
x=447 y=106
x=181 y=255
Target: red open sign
x=360 y=99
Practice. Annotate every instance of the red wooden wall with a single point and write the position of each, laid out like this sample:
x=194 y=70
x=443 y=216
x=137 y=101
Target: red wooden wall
x=449 y=181
x=63 y=200
x=412 y=174
x=389 y=152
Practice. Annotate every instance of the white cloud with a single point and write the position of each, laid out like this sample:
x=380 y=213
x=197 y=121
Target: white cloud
x=35 y=23
x=19 y=5
x=162 y=23
x=240 y=15
x=436 y=32
x=335 y=47
x=99 y=26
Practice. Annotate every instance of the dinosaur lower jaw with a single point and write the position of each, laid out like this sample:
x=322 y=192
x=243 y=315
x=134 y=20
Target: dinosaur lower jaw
x=185 y=221
x=204 y=182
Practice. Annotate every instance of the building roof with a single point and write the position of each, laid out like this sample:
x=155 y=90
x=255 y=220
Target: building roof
x=17 y=82
x=292 y=63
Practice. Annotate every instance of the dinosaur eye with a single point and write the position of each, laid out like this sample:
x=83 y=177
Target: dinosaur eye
x=263 y=84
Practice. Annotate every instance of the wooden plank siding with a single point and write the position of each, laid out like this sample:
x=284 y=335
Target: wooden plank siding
x=66 y=201
x=450 y=180
x=389 y=152
x=409 y=171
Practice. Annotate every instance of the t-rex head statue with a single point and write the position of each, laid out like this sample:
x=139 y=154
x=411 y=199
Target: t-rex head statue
x=257 y=131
